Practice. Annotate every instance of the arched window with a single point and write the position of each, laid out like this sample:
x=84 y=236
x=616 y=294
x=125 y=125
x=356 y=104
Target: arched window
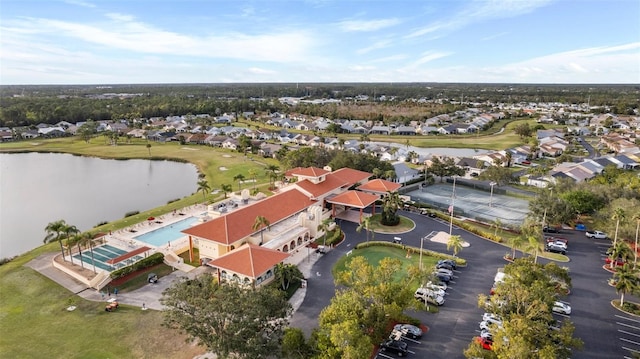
x=306 y=236
x=299 y=241
x=269 y=274
x=223 y=274
x=246 y=281
x=285 y=248
x=293 y=244
x=235 y=278
x=233 y=247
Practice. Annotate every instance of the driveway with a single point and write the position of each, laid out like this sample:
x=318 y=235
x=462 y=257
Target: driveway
x=452 y=329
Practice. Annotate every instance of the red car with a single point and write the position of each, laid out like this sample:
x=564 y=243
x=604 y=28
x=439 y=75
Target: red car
x=554 y=239
x=485 y=342
x=617 y=263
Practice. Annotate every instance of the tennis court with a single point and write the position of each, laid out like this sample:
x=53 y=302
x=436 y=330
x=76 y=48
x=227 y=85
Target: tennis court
x=473 y=203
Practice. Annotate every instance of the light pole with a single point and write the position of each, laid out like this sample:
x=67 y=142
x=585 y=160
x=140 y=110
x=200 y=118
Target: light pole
x=421 y=240
x=453 y=198
x=491 y=197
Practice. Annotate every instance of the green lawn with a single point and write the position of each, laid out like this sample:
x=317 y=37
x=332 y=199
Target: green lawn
x=374 y=254
x=34 y=322
x=405 y=224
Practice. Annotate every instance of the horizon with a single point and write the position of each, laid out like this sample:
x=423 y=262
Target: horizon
x=536 y=42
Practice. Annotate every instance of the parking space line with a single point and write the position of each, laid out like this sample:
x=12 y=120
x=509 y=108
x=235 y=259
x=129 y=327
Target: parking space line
x=626 y=332
x=627 y=318
x=631 y=350
x=627 y=325
x=629 y=341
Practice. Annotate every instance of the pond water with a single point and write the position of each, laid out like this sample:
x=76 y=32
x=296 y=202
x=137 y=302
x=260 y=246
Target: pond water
x=39 y=188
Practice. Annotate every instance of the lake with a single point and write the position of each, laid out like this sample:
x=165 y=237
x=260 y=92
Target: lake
x=39 y=188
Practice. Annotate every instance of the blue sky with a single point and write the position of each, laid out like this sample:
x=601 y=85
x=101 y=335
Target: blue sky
x=204 y=41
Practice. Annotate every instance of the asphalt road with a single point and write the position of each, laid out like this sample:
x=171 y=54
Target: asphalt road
x=605 y=331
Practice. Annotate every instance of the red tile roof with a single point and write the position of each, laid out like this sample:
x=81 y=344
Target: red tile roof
x=354 y=199
x=316 y=190
x=249 y=260
x=351 y=176
x=380 y=186
x=238 y=224
x=306 y=172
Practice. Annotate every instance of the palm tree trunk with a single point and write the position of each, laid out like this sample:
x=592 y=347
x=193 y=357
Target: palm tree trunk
x=621 y=299
x=62 y=250
x=80 y=254
x=93 y=261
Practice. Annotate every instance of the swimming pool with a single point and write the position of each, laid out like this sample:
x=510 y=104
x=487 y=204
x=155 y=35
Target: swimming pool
x=161 y=236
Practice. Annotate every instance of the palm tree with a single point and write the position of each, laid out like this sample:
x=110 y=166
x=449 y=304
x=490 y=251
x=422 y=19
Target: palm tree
x=619 y=250
x=254 y=176
x=271 y=171
x=285 y=273
x=149 y=149
x=366 y=225
x=618 y=215
x=55 y=230
x=533 y=245
x=70 y=230
x=77 y=239
x=515 y=242
x=626 y=279
x=87 y=238
x=636 y=217
x=226 y=188
x=203 y=186
x=456 y=243
x=239 y=177
x=324 y=227
x=390 y=204
x=261 y=222
x=496 y=224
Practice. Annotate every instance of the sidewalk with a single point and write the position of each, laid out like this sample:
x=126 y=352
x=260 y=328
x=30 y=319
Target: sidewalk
x=304 y=259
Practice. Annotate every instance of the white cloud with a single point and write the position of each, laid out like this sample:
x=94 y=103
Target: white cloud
x=259 y=71
x=375 y=46
x=123 y=33
x=80 y=3
x=367 y=25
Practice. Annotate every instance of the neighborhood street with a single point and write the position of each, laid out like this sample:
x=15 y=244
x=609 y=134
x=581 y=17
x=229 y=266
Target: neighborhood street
x=606 y=332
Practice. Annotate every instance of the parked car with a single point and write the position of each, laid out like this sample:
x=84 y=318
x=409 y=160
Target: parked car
x=486 y=343
x=561 y=308
x=596 y=234
x=408 y=330
x=445 y=271
x=556 y=239
x=396 y=346
x=427 y=296
x=445 y=266
x=618 y=262
x=559 y=243
x=550 y=229
x=552 y=247
x=438 y=285
x=491 y=322
x=491 y=316
x=443 y=277
x=450 y=262
x=152 y=278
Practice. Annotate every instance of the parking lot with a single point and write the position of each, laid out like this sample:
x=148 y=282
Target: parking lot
x=606 y=332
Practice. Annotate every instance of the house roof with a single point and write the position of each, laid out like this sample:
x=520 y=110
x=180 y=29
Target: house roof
x=380 y=186
x=354 y=199
x=249 y=260
x=238 y=224
x=316 y=190
x=306 y=172
x=351 y=176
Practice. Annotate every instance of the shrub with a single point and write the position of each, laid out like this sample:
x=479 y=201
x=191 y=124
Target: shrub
x=150 y=261
x=132 y=213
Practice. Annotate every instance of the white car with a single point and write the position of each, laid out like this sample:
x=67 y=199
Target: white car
x=428 y=296
x=488 y=324
x=491 y=316
x=596 y=234
x=433 y=285
x=561 y=308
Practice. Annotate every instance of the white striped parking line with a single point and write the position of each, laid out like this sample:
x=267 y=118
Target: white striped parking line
x=626 y=332
x=631 y=350
x=627 y=318
x=629 y=341
x=628 y=325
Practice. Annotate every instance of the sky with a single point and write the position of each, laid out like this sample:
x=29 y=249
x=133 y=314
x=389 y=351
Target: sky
x=236 y=41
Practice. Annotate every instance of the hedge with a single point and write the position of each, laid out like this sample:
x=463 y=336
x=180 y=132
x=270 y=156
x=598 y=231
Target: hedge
x=150 y=261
